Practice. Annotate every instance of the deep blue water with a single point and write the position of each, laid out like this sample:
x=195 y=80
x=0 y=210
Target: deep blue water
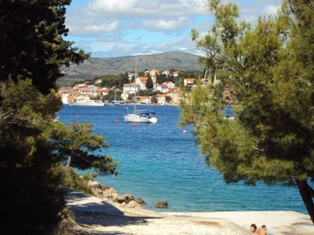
x=160 y=162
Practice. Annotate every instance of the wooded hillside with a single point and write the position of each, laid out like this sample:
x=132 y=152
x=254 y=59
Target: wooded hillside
x=116 y=65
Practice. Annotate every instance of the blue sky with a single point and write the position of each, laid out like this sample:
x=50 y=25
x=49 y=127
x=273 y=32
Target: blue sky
x=113 y=28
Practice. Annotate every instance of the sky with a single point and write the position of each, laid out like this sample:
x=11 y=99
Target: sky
x=114 y=28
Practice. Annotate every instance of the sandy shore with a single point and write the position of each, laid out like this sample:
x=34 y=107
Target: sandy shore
x=96 y=216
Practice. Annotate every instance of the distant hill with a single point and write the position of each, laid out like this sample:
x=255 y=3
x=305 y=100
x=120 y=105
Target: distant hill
x=116 y=65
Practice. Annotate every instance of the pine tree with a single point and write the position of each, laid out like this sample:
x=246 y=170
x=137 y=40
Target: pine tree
x=32 y=50
x=267 y=69
x=76 y=146
x=28 y=180
x=149 y=82
x=32 y=44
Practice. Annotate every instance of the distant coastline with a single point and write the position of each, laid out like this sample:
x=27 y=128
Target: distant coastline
x=120 y=65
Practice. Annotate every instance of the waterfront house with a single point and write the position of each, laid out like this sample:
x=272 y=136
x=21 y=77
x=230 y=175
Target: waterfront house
x=131 y=88
x=130 y=76
x=145 y=99
x=188 y=81
x=65 y=91
x=102 y=91
x=163 y=88
x=98 y=81
x=175 y=73
x=85 y=89
x=141 y=81
x=162 y=99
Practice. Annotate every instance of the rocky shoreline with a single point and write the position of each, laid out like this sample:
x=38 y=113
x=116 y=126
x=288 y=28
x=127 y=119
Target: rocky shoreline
x=126 y=200
x=101 y=215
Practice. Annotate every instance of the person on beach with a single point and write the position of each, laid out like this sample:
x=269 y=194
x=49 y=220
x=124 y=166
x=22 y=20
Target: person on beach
x=253 y=228
x=263 y=230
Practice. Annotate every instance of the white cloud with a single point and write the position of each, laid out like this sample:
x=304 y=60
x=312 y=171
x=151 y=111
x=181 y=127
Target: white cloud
x=100 y=6
x=148 y=8
x=251 y=10
x=164 y=24
x=90 y=27
x=270 y=10
x=102 y=27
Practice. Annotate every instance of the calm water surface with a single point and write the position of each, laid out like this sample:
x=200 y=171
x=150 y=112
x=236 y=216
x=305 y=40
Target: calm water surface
x=159 y=162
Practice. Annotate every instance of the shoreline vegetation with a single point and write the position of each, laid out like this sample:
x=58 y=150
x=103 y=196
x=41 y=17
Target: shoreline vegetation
x=104 y=211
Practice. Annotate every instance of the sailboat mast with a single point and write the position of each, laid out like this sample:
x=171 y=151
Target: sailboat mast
x=135 y=69
x=135 y=78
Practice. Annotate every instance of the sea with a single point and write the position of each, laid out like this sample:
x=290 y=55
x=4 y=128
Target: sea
x=162 y=162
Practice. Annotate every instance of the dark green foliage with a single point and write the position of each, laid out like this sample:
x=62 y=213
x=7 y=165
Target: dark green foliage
x=148 y=92
x=77 y=146
x=125 y=79
x=116 y=81
x=31 y=45
x=32 y=145
x=113 y=95
x=266 y=69
x=30 y=186
x=149 y=83
x=72 y=180
x=132 y=79
x=161 y=78
x=32 y=199
x=32 y=50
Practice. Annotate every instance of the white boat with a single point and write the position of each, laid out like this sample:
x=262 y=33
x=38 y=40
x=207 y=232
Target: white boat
x=65 y=100
x=141 y=116
x=86 y=103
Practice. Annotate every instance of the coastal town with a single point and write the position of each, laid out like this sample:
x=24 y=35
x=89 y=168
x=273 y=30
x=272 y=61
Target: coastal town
x=166 y=92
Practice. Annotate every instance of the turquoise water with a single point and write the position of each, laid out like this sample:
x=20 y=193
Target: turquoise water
x=160 y=162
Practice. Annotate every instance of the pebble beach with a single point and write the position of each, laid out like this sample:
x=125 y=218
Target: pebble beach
x=102 y=216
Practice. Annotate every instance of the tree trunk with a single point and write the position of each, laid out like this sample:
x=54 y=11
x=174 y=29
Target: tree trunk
x=305 y=193
x=68 y=161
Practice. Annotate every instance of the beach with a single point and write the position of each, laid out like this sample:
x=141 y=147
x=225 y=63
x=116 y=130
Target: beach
x=101 y=216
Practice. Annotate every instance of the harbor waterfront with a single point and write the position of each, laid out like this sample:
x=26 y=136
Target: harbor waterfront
x=162 y=162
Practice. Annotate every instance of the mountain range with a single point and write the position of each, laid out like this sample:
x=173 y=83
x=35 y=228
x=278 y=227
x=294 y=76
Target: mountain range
x=95 y=67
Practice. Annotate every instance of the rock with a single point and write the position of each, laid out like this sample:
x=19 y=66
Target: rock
x=125 y=198
x=123 y=204
x=109 y=193
x=140 y=201
x=103 y=187
x=132 y=204
x=113 y=197
x=162 y=204
x=96 y=185
x=98 y=192
x=106 y=192
x=120 y=199
x=92 y=184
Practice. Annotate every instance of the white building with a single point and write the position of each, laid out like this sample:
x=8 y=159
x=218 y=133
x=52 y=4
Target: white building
x=164 y=87
x=131 y=88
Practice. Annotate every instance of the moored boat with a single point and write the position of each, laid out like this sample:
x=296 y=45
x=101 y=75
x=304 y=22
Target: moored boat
x=86 y=103
x=141 y=116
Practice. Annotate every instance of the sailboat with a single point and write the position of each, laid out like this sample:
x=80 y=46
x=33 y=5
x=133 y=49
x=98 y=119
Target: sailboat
x=139 y=116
